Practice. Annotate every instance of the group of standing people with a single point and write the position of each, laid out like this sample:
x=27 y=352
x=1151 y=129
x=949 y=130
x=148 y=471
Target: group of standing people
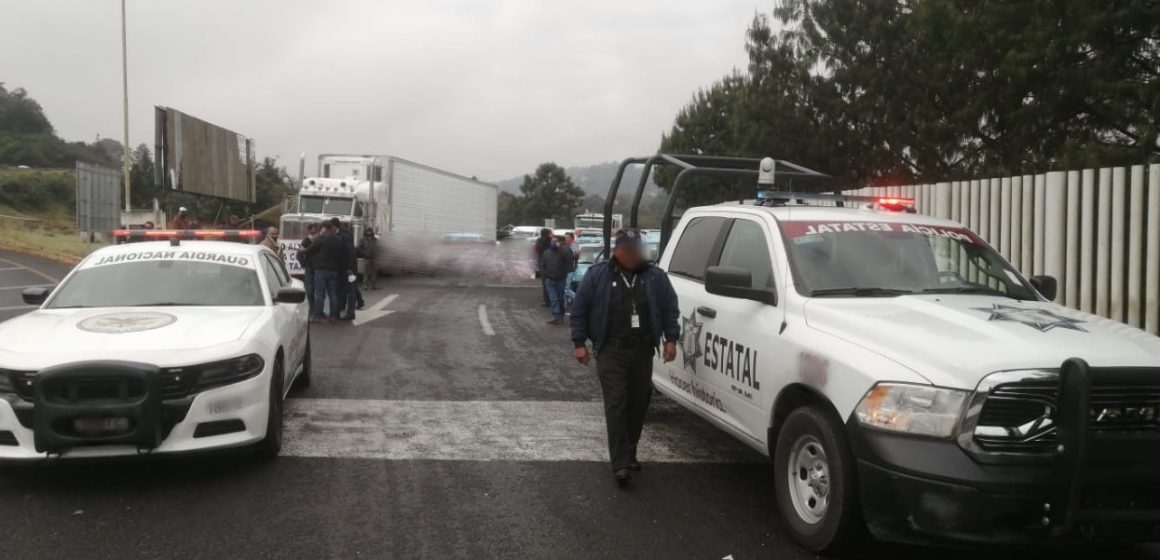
x=555 y=261
x=329 y=257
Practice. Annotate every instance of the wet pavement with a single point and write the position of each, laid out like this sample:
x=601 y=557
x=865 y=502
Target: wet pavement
x=452 y=424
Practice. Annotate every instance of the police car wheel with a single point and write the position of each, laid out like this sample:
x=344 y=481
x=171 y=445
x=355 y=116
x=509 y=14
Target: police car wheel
x=303 y=380
x=271 y=445
x=815 y=481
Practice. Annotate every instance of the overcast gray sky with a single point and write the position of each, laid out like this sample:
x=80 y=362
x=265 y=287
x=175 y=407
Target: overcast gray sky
x=480 y=87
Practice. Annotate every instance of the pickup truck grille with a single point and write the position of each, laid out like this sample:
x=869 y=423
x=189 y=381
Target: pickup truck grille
x=1019 y=417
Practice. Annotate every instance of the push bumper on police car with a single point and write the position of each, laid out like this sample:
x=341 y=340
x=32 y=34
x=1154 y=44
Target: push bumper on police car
x=1084 y=467
x=113 y=408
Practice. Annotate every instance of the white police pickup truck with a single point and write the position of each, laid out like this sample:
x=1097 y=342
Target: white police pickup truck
x=158 y=347
x=905 y=378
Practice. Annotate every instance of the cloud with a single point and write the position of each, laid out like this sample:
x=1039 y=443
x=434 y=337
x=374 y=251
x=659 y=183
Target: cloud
x=481 y=87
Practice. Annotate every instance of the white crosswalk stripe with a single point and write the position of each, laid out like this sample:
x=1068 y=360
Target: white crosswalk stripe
x=488 y=431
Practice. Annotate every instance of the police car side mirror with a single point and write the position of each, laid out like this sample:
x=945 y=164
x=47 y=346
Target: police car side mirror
x=290 y=295
x=35 y=296
x=1045 y=285
x=735 y=282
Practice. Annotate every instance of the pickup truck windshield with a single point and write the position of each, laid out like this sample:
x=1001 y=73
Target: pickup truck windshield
x=881 y=259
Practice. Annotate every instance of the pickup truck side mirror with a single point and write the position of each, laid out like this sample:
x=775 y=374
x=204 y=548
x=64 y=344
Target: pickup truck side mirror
x=735 y=282
x=1045 y=285
x=35 y=296
x=290 y=294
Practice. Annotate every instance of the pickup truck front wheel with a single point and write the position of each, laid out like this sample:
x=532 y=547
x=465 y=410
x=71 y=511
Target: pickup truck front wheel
x=815 y=481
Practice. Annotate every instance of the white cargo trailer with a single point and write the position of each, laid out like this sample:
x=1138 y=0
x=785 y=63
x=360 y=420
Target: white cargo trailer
x=411 y=206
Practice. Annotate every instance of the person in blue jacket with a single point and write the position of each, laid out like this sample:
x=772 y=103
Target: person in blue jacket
x=628 y=309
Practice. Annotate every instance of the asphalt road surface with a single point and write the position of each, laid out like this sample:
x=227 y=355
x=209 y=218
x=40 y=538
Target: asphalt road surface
x=450 y=422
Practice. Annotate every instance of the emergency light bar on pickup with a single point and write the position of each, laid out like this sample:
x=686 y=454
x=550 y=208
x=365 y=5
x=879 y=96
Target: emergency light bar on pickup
x=779 y=198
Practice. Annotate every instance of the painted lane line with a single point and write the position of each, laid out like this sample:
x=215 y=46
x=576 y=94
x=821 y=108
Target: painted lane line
x=23 y=287
x=376 y=311
x=17 y=307
x=48 y=277
x=7 y=268
x=483 y=322
x=490 y=431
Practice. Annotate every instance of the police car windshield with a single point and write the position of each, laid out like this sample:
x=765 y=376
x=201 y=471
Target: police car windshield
x=880 y=259
x=160 y=282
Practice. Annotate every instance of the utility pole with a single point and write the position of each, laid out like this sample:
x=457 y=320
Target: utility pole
x=125 y=106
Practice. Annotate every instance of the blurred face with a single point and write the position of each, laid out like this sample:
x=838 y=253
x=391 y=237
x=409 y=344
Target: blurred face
x=272 y=233
x=628 y=256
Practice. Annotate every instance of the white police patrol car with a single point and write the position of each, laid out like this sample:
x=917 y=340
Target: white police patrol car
x=154 y=348
x=905 y=378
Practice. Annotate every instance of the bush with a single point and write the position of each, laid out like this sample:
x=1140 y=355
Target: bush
x=38 y=190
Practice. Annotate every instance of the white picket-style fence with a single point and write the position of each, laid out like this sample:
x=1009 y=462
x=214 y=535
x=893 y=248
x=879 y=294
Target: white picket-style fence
x=1097 y=231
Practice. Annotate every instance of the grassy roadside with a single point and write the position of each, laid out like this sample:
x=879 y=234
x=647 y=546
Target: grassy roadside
x=52 y=236
x=36 y=214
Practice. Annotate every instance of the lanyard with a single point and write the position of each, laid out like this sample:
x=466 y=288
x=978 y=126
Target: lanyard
x=631 y=285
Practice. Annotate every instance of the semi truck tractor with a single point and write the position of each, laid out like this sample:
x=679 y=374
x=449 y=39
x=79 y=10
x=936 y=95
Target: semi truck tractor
x=410 y=206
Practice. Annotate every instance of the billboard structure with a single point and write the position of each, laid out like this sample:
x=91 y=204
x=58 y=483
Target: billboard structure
x=98 y=198
x=197 y=157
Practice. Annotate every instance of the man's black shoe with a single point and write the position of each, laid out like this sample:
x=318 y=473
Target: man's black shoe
x=634 y=466
x=622 y=476
x=346 y=318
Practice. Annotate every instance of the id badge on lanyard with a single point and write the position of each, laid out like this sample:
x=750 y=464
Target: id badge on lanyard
x=635 y=318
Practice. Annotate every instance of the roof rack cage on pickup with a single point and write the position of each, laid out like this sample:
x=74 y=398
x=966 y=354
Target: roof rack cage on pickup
x=763 y=170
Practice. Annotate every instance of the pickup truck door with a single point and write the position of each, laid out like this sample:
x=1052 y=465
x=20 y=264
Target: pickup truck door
x=688 y=378
x=743 y=345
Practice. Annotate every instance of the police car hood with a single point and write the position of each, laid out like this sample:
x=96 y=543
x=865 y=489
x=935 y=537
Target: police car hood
x=45 y=337
x=956 y=340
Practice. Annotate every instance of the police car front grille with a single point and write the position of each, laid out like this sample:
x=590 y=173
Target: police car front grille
x=1019 y=417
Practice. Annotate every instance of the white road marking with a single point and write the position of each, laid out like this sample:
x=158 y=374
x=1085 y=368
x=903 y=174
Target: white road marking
x=23 y=287
x=488 y=431
x=15 y=307
x=483 y=322
x=376 y=311
x=48 y=277
x=7 y=268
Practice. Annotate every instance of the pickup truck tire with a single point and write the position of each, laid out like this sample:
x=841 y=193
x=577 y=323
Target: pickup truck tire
x=814 y=477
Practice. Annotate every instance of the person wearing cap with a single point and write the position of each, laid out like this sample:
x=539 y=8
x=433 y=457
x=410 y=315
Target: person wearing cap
x=627 y=308
x=181 y=220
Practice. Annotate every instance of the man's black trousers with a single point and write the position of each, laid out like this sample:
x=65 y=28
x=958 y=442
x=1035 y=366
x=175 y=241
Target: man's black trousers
x=626 y=380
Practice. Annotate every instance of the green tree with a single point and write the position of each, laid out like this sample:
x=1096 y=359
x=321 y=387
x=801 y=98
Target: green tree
x=549 y=194
x=508 y=211
x=142 y=189
x=21 y=114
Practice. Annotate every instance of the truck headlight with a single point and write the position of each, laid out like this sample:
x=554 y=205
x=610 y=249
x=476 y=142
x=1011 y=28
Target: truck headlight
x=912 y=409
x=230 y=371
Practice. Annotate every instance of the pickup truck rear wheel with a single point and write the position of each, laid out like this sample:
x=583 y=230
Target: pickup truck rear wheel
x=815 y=481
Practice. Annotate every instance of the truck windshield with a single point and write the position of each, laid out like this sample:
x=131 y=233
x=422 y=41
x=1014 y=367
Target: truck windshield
x=326 y=205
x=876 y=259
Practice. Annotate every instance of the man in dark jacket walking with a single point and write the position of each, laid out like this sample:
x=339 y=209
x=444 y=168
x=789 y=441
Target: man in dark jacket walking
x=327 y=255
x=626 y=307
x=555 y=264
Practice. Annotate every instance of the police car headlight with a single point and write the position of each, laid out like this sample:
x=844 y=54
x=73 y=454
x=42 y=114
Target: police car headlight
x=912 y=409
x=230 y=371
